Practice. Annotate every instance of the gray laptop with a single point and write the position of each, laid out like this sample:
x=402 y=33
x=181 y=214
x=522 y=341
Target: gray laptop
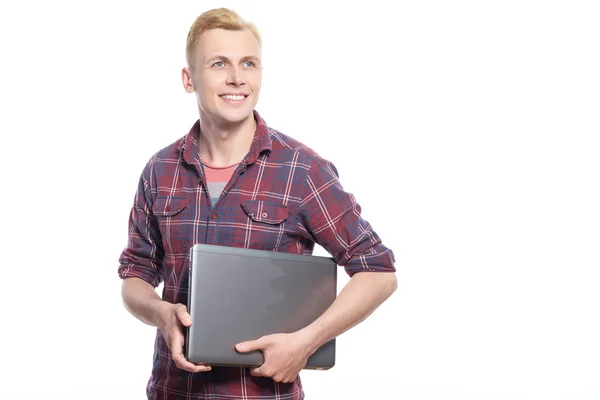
x=236 y=295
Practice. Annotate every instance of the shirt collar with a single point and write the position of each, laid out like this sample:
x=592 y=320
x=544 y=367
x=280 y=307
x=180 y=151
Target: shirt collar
x=262 y=142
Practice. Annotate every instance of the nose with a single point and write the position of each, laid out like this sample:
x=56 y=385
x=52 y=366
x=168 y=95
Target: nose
x=235 y=77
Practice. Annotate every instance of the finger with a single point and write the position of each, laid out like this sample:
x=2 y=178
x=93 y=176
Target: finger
x=184 y=364
x=202 y=368
x=183 y=316
x=177 y=342
x=258 y=344
x=256 y=372
x=177 y=338
x=196 y=367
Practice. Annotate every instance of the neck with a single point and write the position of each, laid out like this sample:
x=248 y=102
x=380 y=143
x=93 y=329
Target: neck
x=223 y=145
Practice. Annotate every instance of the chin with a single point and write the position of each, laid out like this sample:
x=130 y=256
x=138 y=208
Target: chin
x=237 y=117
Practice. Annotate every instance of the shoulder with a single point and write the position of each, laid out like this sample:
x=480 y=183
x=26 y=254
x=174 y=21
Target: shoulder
x=172 y=152
x=315 y=164
x=296 y=150
x=283 y=142
x=164 y=159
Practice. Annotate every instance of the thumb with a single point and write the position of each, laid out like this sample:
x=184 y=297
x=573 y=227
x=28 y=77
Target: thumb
x=258 y=344
x=183 y=316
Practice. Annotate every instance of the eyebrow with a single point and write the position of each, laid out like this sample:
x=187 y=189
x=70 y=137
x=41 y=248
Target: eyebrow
x=243 y=59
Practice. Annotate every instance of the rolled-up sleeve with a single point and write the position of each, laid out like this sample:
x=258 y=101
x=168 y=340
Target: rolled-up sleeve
x=332 y=218
x=142 y=258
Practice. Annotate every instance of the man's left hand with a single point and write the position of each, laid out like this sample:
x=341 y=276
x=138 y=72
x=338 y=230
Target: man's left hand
x=285 y=354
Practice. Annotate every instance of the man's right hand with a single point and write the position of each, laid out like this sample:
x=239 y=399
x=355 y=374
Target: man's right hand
x=172 y=320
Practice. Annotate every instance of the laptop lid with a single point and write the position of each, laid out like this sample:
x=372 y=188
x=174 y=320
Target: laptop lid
x=236 y=295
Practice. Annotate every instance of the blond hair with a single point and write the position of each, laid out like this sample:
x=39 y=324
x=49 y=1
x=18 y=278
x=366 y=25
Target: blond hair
x=218 y=18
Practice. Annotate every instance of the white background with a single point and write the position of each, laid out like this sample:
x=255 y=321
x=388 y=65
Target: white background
x=468 y=131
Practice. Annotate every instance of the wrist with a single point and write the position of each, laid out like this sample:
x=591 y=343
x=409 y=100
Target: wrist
x=159 y=311
x=313 y=337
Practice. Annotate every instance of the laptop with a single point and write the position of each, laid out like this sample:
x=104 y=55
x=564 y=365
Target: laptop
x=236 y=295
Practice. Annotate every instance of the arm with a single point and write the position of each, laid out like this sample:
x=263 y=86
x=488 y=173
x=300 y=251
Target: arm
x=286 y=354
x=331 y=217
x=142 y=301
x=358 y=299
x=141 y=271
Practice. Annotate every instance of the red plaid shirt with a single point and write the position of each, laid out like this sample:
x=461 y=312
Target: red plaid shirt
x=282 y=197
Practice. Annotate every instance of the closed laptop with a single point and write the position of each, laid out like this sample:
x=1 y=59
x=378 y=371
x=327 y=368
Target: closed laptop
x=236 y=295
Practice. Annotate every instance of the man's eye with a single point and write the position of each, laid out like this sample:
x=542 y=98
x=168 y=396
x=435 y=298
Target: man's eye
x=219 y=64
x=249 y=63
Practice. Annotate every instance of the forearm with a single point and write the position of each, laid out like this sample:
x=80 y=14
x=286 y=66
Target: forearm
x=360 y=297
x=141 y=300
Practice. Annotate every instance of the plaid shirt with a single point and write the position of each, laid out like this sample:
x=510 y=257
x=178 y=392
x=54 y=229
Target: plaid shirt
x=282 y=197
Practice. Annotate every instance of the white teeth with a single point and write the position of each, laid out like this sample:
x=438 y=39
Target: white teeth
x=233 y=97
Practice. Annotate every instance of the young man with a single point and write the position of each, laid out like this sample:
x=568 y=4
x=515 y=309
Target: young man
x=233 y=181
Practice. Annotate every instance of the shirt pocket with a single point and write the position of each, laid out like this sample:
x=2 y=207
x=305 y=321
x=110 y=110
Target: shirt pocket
x=170 y=213
x=264 y=212
x=267 y=227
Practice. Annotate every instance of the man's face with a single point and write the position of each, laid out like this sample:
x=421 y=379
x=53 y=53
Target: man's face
x=226 y=75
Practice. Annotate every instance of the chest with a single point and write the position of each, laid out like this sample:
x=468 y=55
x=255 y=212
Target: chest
x=257 y=208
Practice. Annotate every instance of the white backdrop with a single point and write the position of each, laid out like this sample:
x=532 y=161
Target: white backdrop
x=467 y=130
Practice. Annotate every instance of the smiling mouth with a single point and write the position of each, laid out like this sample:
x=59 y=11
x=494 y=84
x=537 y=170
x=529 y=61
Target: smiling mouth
x=233 y=97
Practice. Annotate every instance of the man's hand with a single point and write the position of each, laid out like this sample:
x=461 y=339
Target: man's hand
x=171 y=322
x=285 y=354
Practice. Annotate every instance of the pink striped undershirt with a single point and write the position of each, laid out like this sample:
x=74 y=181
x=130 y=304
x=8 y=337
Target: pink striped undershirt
x=216 y=179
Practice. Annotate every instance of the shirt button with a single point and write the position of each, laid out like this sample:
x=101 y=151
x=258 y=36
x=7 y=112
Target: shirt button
x=264 y=215
x=213 y=215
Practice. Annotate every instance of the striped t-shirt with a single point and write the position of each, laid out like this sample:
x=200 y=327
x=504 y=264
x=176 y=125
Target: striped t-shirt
x=216 y=179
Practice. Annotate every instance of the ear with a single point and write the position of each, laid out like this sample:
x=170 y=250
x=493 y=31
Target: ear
x=186 y=79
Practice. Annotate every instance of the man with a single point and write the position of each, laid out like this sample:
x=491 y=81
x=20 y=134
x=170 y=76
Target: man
x=233 y=181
